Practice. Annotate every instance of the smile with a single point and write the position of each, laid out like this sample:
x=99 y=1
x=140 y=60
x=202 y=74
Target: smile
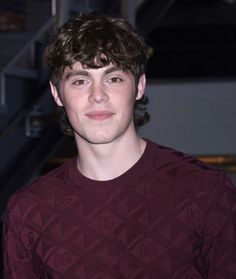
x=99 y=115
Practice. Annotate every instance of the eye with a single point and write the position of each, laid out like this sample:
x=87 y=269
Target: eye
x=80 y=82
x=115 y=80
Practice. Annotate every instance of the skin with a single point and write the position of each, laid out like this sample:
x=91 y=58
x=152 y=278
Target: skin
x=99 y=105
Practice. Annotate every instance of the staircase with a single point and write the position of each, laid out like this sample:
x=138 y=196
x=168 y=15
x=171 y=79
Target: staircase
x=27 y=138
x=37 y=13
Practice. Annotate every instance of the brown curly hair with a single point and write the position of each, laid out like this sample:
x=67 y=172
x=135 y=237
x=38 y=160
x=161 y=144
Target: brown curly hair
x=96 y=40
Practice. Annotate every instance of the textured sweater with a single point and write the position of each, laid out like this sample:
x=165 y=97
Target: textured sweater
x=169 y=216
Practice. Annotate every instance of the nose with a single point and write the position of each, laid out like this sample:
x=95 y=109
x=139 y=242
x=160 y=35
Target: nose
x=98 y=95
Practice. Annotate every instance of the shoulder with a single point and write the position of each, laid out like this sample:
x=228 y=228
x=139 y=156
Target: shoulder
x=200 y=196
x=41 y=190
x=176 y=158
x=187 y=173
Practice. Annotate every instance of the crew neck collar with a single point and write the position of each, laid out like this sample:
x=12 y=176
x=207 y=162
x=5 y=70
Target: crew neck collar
x=137 y=169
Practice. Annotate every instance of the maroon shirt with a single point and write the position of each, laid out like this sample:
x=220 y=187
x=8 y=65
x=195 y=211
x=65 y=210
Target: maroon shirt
x=169 y=216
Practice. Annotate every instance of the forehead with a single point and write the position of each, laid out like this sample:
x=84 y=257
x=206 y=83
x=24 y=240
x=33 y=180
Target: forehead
x=79 y=66
x=80 y=69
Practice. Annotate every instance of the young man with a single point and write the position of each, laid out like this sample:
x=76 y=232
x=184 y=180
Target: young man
x=125 y=207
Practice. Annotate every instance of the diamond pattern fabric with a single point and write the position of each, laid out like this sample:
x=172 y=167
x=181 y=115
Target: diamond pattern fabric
x=169 y=216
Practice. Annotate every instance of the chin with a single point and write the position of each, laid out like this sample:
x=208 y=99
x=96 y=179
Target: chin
x=104 y=136
x=98 y=139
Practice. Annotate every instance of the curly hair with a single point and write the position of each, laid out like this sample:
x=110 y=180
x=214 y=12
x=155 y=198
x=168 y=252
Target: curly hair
x=96 y=40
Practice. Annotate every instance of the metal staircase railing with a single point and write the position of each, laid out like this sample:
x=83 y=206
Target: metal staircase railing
x=13 y=68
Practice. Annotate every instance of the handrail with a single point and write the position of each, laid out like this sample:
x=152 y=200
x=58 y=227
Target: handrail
x=59 y=13
x=7 y=68
x=40 y=32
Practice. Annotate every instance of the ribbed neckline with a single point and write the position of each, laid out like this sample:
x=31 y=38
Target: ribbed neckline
x=136 y=170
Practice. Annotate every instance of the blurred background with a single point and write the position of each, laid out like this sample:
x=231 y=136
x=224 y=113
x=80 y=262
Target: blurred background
x=191 y=82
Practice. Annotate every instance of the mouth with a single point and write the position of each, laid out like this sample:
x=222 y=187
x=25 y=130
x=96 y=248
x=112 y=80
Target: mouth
x=99 y=115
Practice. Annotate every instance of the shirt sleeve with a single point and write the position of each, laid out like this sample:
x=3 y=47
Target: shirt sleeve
x=18 y=263
x=219 y=245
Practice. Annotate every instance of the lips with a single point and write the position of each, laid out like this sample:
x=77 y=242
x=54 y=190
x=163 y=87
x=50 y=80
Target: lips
x=99 y=115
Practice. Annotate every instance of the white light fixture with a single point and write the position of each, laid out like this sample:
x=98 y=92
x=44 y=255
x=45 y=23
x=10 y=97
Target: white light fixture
x=230 y=1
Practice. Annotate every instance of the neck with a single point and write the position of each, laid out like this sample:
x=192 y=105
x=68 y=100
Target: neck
x=108 y=161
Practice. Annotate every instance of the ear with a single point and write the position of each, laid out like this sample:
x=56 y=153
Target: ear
x=56 y=95
x=141 y=87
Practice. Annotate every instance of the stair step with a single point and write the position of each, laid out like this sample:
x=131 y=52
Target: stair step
x=37 y=13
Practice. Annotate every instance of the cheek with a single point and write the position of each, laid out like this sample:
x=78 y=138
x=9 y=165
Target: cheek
x=72 y=110
x=127 y=107
x=127 y=97
x=72 y=102
x=129 y=102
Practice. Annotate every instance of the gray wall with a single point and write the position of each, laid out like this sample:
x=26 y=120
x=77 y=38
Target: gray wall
x=197 y=118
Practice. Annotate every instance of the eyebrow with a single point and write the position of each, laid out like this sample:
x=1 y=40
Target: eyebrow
x=113 y=69
x=76 y=73
x=86 y=73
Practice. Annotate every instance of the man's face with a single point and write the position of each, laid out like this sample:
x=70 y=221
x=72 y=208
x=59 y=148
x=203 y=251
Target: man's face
x=99 y=102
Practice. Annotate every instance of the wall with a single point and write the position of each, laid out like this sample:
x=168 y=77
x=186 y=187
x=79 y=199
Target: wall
x=197 y=118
